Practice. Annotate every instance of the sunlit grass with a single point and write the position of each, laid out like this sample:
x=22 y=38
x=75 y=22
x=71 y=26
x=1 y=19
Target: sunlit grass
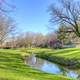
x=12 y=67
x=67 y=57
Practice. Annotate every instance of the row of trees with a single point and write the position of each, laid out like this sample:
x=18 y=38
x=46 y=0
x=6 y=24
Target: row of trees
x=63 y=36
x=30 y=39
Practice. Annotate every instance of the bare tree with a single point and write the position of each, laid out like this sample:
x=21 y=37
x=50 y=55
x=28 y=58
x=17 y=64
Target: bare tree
x=5 y=6
x=40 y=40
x=68 y=12
x=7 y=26
x=28 y=39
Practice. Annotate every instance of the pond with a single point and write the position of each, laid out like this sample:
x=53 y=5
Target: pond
x=49 y=67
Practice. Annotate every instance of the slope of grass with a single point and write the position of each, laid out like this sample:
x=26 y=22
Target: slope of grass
x=67 y=57
x=12 y=67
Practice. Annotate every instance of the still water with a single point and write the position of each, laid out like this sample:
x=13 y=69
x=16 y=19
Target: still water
x=49 y=67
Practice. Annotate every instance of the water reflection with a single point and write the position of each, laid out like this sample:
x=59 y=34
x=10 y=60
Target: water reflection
x=49 y=67
x=72 y=74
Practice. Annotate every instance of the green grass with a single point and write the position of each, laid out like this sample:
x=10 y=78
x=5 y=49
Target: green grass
x=67 y=57
x=12 y=67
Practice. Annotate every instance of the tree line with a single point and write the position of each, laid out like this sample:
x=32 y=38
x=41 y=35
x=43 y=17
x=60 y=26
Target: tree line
x=66 y=14
x=30 y=39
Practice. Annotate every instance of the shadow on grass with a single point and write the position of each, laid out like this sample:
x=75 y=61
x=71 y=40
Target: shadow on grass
x=69 y=62
x=5 y=79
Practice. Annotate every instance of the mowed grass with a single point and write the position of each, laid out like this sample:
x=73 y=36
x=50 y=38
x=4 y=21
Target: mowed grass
x=12 y=67
x=67 y=57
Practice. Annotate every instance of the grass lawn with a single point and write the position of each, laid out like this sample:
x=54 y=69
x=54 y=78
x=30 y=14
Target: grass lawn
x=12 y=67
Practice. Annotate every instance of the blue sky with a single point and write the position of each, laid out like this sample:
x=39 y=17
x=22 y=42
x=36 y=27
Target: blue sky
x=32 y=15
